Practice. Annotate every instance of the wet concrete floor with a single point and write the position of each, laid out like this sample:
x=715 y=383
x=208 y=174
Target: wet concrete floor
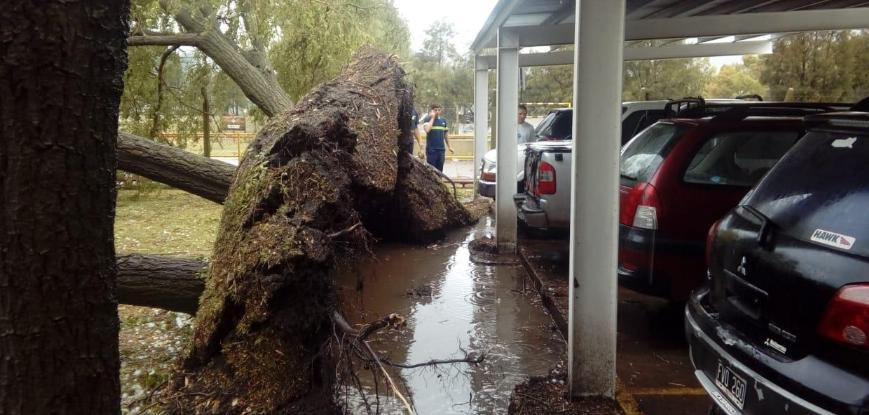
x=652 y=356
x=452 y=307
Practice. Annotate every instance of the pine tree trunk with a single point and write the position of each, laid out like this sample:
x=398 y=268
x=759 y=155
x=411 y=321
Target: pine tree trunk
x=61 y=78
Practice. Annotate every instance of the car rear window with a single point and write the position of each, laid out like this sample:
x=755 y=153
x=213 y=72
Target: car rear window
x=642 y=156
x=819 y=190
x=738 y=158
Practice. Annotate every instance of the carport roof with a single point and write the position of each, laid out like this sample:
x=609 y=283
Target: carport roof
x=550 y=22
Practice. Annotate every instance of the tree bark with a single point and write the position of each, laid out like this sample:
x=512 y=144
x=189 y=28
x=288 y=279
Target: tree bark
x=206 y=125
x=175 y=167
x=61 y=79
x=165 y=282
x=156 y=125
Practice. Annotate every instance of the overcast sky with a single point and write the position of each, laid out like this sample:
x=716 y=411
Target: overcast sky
x=467 y=17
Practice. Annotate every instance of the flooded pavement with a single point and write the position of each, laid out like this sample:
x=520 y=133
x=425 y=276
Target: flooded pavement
x=452 y=307
x=652 y=355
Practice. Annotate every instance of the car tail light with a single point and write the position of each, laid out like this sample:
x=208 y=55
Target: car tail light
x=710 y=239
x=488 y=177
x=847 y=317
x=639 y=207
x=546 y=182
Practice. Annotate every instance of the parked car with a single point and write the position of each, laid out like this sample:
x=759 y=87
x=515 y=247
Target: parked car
x=558 y=125
x=782 y=326
x=677 y=178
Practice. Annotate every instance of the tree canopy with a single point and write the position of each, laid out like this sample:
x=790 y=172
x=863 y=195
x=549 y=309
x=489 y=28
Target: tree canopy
x=298 y=42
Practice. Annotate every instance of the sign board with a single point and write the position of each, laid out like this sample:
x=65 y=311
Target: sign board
x=233 y=123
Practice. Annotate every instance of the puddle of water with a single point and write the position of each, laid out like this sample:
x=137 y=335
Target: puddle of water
x=451 y=304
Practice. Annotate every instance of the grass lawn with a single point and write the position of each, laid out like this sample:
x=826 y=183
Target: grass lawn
x=165 y=221
x=162 y=221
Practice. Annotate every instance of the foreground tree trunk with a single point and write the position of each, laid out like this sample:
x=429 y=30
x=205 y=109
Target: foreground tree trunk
x=311 y=185
x=61 y=78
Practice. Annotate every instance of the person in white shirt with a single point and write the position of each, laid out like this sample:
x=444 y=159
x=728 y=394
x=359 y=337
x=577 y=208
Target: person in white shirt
x=525 y=130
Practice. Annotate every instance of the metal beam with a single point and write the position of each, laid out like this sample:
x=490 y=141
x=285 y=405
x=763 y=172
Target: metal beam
x=707 y=26
x=664 y=52
x=486 y=38
x=481 y=116
x=507 y=102
x=594 y=207
x=748 y=24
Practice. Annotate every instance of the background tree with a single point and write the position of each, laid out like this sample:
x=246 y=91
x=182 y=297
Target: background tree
x=732 y=81
x=442 y=76
x=61 y=79
x=230 y=47
x=818 y=66
x=547 y=84
x=665 y=79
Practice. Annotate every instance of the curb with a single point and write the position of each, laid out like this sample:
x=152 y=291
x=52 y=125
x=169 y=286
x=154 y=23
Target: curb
x=625 y=399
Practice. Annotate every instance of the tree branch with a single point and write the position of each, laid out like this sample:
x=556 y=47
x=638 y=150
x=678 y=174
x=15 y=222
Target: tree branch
x=159 y=281
x=175 y=167
x=258 y=84
x=156 y=129
x=167 y=39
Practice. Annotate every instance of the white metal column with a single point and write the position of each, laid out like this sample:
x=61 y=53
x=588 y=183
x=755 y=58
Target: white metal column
x=481 y=116
x=508 y=100
x=594 y=209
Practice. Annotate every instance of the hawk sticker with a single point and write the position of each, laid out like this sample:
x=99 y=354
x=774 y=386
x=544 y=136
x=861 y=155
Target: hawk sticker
x=833 y=239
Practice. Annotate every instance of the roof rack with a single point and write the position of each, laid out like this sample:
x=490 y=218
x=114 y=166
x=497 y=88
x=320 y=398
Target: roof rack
x=862 y=106
x=734 y=111
x=755 y=97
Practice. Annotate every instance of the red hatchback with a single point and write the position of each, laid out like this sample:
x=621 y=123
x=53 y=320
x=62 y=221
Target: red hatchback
x=681 y=175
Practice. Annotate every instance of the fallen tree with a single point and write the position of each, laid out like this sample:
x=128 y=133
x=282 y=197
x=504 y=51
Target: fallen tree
x=161 y=281
x=175 y=167
x=318 y=184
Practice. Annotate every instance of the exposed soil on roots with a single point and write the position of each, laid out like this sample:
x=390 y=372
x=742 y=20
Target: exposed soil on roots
x=320 y=183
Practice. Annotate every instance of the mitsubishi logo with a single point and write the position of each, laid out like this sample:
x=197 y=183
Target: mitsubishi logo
x=741 y=267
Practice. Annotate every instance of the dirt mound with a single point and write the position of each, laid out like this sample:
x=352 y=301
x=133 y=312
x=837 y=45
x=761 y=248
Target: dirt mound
x=319 y=184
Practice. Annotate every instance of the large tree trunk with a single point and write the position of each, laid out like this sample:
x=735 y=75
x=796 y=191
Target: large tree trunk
x=160 y=281
x=311 y=184
x=175 y=167
x=61 y=78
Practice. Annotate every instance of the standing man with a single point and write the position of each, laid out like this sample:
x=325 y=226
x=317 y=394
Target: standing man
x=414 y=125
x=436 y=137
x=525 y=130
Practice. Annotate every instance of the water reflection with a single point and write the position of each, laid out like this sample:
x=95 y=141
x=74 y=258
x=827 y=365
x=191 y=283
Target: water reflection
x=453 y=307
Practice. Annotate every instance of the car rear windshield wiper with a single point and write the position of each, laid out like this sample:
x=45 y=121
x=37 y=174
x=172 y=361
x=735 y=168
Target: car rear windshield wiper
x=763 y=234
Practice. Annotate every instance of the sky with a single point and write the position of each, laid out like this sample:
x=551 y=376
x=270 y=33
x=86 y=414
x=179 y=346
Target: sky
x=467 y=17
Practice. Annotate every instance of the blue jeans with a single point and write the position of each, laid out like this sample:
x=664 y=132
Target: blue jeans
x=435 y=157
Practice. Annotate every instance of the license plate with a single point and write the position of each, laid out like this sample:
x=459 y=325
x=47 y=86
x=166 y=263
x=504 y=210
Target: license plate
x=731 y=384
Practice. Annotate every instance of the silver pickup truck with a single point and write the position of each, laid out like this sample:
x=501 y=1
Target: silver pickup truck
x=545 y=201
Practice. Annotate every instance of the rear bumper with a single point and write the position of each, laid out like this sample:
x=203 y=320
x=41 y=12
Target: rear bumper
x=655 y=264
x=486 y=188
x=530 y=212
x=805 y=386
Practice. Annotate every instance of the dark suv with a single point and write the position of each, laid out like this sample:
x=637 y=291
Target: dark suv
x=783 y=326
x=682 y=174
